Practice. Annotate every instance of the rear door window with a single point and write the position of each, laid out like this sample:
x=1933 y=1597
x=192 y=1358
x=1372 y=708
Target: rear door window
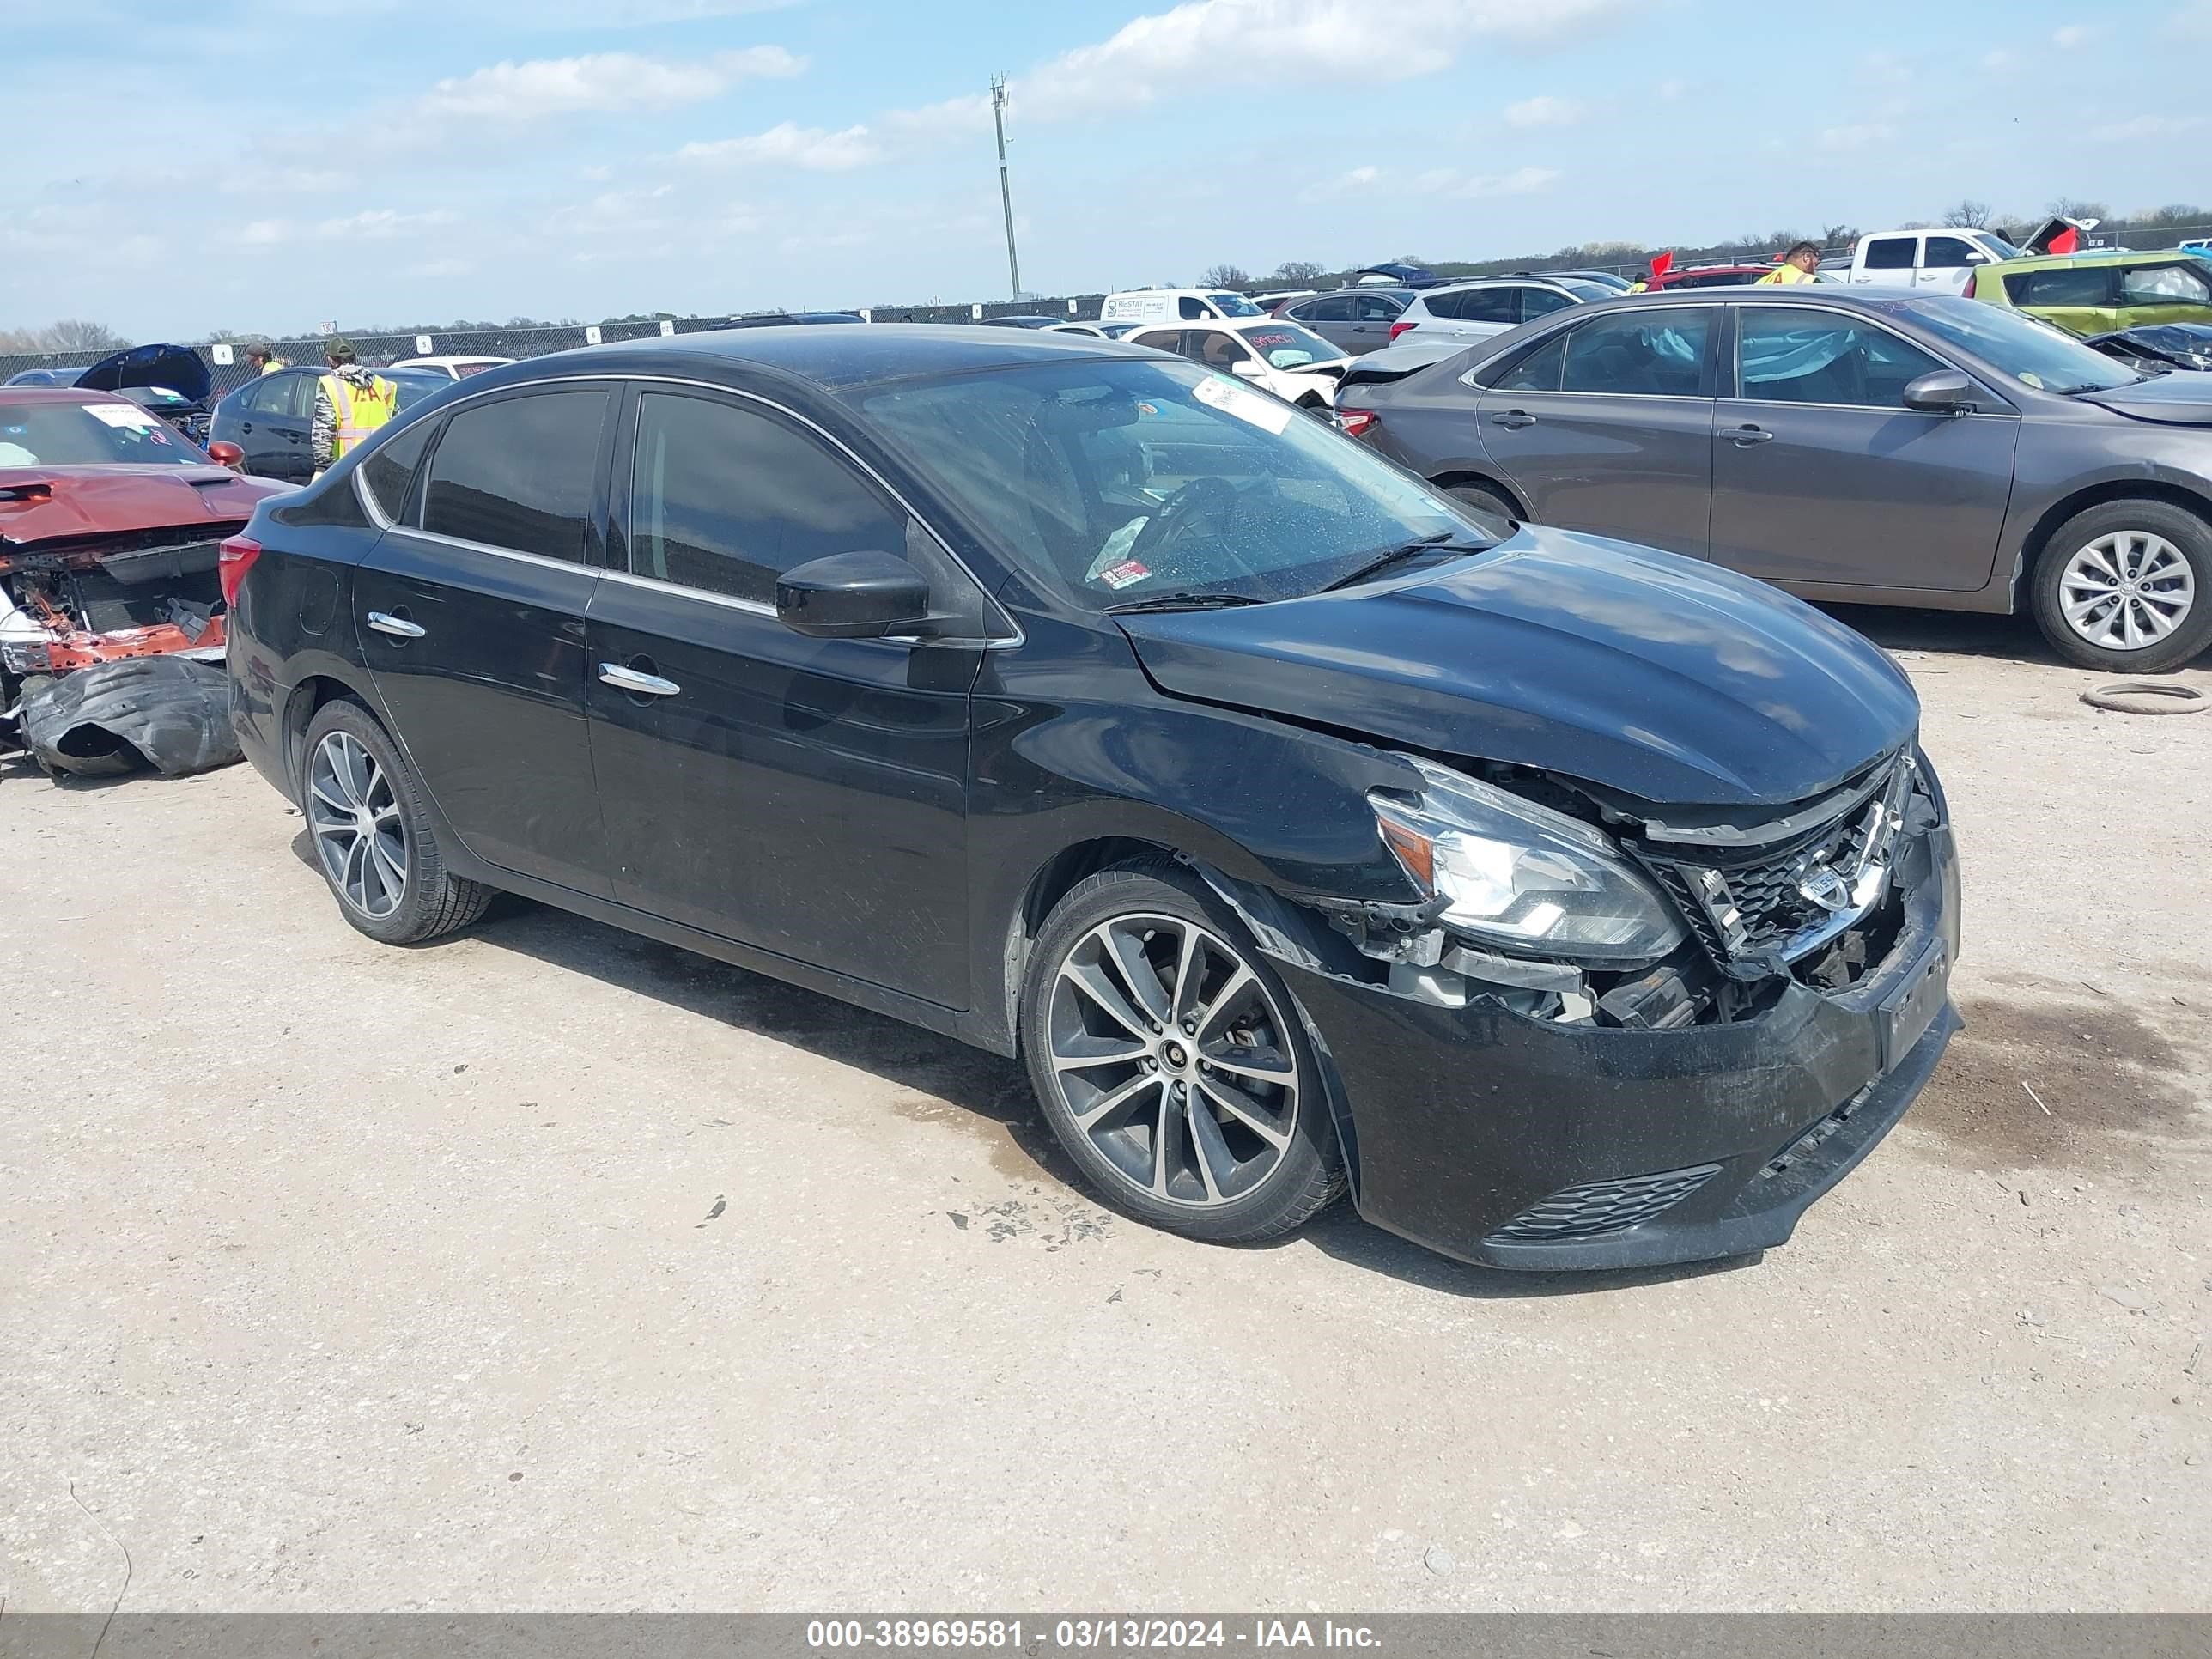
x=1377 y=308
x=1891 y=253
x=2164 y=285
x=1484 y=305
x=2062 y=285
x=519 y=473
x=1335 y=310
x=389 y=471
x=1640 y=354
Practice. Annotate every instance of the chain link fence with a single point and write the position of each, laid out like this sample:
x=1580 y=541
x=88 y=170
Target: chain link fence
x=226 y=364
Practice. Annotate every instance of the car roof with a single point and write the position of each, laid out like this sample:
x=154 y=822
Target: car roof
x=2109 y=256
x=833 y=358
x=53 y=394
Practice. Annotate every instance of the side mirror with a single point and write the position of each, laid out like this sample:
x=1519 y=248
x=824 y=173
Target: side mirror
x=1945 y=391
x=1246 y=368
x=223 y=452
x=852 y=596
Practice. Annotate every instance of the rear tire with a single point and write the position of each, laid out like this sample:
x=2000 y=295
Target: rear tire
x=1209 y=1120
x=1487 y=502
x=2127 y=570
x=371 y=835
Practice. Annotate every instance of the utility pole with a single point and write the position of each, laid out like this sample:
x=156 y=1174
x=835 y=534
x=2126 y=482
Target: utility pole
x=1005 y=190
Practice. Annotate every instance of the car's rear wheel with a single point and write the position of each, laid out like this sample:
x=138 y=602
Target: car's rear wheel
x=2127 y=585
x=1171 y=1063
x=372 y=837
x=1489 y=503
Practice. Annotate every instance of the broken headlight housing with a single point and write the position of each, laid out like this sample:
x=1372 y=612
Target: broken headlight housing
x=1521 y=878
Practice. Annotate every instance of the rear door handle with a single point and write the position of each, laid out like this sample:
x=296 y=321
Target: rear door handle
x=1516 y=418
x=1746 y=436
x=637 y=680
x=398 y=627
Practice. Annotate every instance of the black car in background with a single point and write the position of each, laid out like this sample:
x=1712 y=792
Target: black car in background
x=272 y=418
x=1575 y=905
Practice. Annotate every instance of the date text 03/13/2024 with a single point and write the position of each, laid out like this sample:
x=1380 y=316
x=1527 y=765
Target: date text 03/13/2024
x=1083 y=1635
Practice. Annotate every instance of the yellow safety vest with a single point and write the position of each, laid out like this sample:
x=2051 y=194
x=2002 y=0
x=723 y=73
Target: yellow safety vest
x=1783 y=275
x=360 y=410
x=273 y=365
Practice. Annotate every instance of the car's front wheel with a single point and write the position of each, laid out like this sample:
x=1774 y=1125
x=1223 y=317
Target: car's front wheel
x=2127 y=585
x=1170 y=1062
x=373 y=839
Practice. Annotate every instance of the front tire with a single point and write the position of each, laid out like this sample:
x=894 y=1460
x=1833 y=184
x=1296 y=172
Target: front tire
x=1488 y=504
x=1168 y=1057
x=372 y=837
x=2127 y=586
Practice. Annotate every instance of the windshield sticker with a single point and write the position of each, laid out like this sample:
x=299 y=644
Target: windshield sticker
x=122 y=414
x=2031 y=378
x=1116 y=550
x=1253 y=408
x=1122 y=575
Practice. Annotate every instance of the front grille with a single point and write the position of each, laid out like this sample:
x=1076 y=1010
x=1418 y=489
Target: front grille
x=1605 y=1206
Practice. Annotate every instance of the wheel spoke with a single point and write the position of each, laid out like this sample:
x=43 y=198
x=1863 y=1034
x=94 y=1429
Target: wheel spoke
x=1186 y=985
x=1209 y=1151
x=1137 y=973
x=1088 y=979
x=356 y=877
x=1080 y=1053
x=1115 y=1100
x=335 y=802
x=1223 y=999
x=1245 y=1111
x=1163 y=1138
x=1261 y=1065
x=391 y=873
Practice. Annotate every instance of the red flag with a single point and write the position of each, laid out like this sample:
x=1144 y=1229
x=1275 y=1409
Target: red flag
x=2066 y=241
x=1661 y=263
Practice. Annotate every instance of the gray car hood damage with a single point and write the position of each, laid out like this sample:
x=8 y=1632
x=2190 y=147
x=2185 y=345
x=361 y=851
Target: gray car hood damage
x=1654 y=676
x=2181 y=399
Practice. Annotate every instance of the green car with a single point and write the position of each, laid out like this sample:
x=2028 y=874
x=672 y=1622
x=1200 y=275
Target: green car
x=2097 y=293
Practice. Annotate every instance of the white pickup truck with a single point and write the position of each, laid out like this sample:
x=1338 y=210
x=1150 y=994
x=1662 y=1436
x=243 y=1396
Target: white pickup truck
x=1936 y=261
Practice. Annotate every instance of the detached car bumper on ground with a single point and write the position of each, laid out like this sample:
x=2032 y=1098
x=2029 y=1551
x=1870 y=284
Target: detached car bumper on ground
x=1571 y=904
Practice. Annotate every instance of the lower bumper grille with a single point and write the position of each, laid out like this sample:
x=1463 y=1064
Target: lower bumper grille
x=1605 y=1206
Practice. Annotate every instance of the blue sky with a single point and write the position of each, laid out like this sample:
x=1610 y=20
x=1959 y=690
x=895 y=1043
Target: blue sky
x=271 y=164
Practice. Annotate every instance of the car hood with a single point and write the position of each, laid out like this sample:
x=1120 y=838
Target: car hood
x=2181 y=399
x=180 y=368
x=46 y=503
x=1646 y=674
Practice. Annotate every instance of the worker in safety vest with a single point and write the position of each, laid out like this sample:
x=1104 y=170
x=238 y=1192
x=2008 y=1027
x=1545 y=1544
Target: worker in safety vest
x=1797 y=266
x=350 y=403
x=262 y=361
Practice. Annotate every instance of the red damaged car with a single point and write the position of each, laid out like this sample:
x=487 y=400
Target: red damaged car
x=112 y=604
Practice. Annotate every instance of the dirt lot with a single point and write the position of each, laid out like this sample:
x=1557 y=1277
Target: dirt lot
x=549 y=1268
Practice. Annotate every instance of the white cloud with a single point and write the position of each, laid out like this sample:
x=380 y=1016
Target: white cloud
x=600 y=82
x=2000 y=58
x=1543 y=111
x=1450 y=184
x=1673 y=91
x=788 y=144
x=2144 y=127
x=382 y=224
x=1353 y=183
x=2193 y=21
x=265 y=233
x=2073 y=35
x=1207 y=44
x=1859 y=136
x=1889 y=69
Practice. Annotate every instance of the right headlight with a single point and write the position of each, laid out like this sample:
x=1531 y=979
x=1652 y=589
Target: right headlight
x=1522 y=878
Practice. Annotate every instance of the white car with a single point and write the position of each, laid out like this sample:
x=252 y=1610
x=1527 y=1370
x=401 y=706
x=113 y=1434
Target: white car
x=1936 y=261
x=1476 y=310
x=1172 y=305
x=457 y=368
x=1294 y=363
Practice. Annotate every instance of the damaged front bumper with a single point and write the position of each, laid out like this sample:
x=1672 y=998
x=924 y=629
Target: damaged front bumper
x=1484 y=1131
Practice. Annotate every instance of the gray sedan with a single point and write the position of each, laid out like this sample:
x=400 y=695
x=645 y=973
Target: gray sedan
x=1908 y=451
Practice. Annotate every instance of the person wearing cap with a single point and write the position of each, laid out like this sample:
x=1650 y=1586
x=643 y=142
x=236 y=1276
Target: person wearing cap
x=1796 y=266
x=350 y=404
x=262 y=361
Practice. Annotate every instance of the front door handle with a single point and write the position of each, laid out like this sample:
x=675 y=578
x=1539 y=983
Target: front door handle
x=637 y=680
x=1516 y=418
x=1746 y=436
x=398 y=627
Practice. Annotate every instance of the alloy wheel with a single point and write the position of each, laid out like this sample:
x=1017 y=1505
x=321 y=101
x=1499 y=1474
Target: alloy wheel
x=2126 y=590
x=1173 y=1060
x=354 y=818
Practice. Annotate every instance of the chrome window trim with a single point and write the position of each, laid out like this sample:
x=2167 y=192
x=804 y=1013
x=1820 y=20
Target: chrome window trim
x=995 y=642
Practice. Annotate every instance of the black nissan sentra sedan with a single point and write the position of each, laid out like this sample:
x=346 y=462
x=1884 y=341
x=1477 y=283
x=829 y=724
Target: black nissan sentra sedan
x=1572 y=905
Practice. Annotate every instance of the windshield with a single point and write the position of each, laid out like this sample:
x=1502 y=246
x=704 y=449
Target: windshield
x=1235 y=305
x=1584 y=290
x=1122 y=480
x=2023 y=348
x=1994 y=243
x=1285 y=345
x=90 y=434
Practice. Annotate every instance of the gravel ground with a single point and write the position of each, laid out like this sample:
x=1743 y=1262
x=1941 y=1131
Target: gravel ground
x=550 y=1268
